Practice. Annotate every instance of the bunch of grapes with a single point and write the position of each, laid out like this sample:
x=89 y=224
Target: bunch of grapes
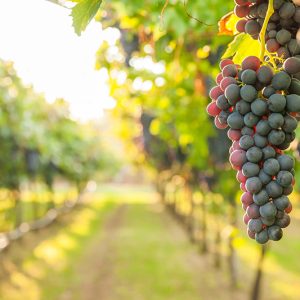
x=281 y=30
x=259 y=106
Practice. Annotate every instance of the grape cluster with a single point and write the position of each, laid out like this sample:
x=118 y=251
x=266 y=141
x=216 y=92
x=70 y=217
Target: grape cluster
x=281 y=30
x=259 y=106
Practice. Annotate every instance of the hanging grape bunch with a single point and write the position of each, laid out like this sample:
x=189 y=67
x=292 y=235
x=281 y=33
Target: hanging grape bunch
x=258 y=101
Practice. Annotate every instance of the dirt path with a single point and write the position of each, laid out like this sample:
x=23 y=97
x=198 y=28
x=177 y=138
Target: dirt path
x=98 y=263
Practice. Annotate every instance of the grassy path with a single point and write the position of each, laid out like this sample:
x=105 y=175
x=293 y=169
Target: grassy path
x=121 y=246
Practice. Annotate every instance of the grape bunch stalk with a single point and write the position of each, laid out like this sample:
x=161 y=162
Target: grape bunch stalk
x=259 y=104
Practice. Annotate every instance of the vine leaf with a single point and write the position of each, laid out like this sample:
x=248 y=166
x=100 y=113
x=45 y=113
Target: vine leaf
x=243 y=45
x=225 y=27
x=83 y=12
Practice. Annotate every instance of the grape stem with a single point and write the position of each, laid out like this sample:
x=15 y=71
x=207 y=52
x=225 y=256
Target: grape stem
x=262 y=35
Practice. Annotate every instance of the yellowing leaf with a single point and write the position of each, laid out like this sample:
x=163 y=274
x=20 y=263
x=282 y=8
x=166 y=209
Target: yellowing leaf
x=227 y=24
x=243 y=45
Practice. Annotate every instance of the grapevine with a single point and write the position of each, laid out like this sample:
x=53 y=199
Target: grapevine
x=259 y=101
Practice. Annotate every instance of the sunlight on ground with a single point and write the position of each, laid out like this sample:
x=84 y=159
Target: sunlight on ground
x=46 y=272
x=54 y=255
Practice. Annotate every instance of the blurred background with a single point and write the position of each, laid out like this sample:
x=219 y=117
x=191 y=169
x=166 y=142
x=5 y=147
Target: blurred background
x=114 y=183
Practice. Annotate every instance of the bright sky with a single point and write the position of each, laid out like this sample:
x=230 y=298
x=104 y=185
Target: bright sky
x=37 y=35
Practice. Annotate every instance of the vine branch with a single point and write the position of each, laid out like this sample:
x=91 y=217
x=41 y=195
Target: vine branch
x=262 y=35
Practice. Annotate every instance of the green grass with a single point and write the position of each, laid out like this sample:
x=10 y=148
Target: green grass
x=151 y=261
x=151 y=257
x=49 y=268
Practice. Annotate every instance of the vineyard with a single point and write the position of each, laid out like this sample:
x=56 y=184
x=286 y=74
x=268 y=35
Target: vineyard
x=187 y=187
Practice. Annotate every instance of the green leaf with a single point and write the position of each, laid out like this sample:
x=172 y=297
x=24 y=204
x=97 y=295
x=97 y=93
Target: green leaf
x=83 y=13
x=243 y=45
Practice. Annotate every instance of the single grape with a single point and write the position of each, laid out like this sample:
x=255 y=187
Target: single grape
x=254 y=154
x=248 y=93
x=268 y=152
x=250 y=119
x=277 y=103
x=212 y=109
x=243 y=107
x=281 y=81
x=283 y=36
x=275 y=233
x=261 y=198
x=262 y=237
x=215 y=92
x=259 y=107
x=276 y=120
x=290 y=123
x=281 y=202
x=230 y=71
x=226 y=81
x=255 y=225
x=292 y=65
x=234 y=134
x=218 y=124
x=241 y=10
x=272 y=45
x=274 y=189
x=223 y=115
x=284 y=221
x=268 y=91
x=263 y=127
x=271 y=166
x=287 y=10
x=247 y=198
x=268 y=210
x=246 y=141
x=238 y=158
x=250 y=169
x=232 y=93
x=240 y=25
x=260 y=141
x=286 y=162
x=253 y=185
x=265 y=74
x=225 y=62
x=252 y=27
x=248 y=76
x=284 y=178
x=253 y=211
x=293 y=103
x=235 y=120
x=251 y=62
